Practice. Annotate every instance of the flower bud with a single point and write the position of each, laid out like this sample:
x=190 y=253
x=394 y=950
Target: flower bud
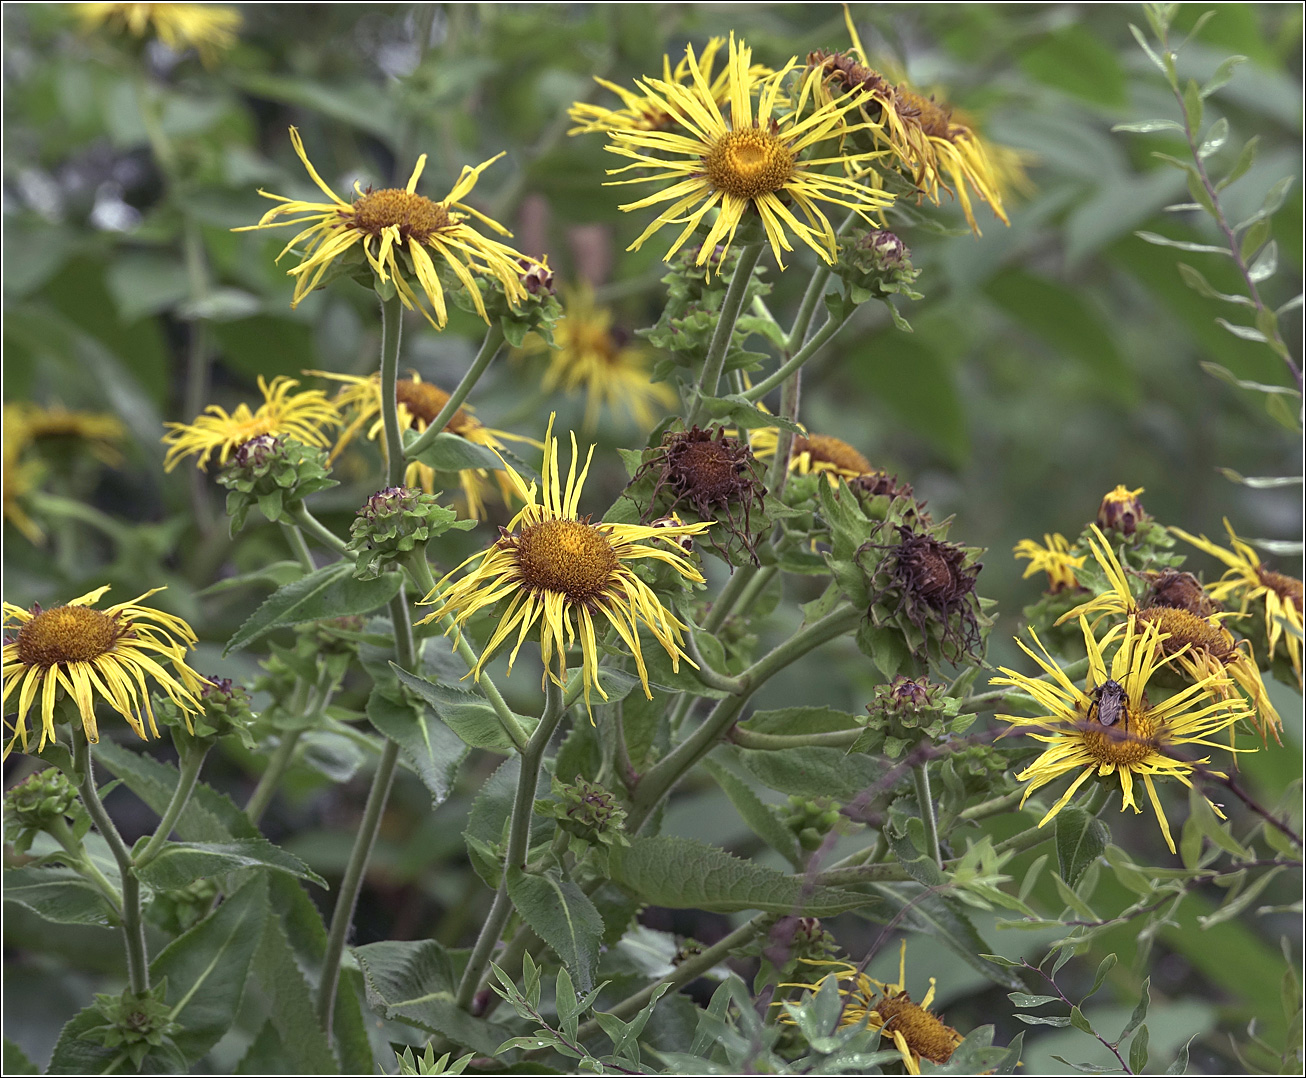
x=1121 y=511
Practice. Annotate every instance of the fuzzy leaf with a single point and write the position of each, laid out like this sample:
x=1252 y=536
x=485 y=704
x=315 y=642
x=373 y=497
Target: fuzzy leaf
x=1080 y=839
x=560 y=914
x=469 y=716
x=451 y=453
x=430 y=747
x=60 y=895
x=180 y=863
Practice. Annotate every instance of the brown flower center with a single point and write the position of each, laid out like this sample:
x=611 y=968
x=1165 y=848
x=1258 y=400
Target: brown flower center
x=68 y=634
x=708 y=470
x=1198 y=633
x=1286 y=587
x=926 y=1034
x=934 y=119
x=827 y=450
x=1170 y=587
x=1129 y=741
x=416 y=217
x=748 y=163
x=424 y=401
x=567 y=556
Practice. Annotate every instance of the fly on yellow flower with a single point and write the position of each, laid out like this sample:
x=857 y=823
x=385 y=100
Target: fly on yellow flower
x=1054 y=559
x=1131 y=737
x=397 y=229
x=208 y=28
x=557 y=566
x=915 y=1030
x=750 y=162
x=821 y=453
x=1199 y=645
x=603 y=361
x=419 y=403
x=87 y=653
x=29 y=423
x=1249 y=579
x=301 y=416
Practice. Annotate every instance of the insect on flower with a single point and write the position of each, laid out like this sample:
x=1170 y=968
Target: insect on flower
x=1110 y=701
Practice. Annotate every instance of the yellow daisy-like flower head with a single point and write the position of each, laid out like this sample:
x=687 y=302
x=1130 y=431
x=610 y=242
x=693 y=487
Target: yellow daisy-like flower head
x=87 y=653
x=1198 y=643
x=914 y=1029
x=594 y=356
x=301 y=416
x=29 y=423
x=419 y=403
x=20 y=479
x=1249 y=579
x=564 y=572
x=1054 y=559
x=398 y=230
x=819 y=453
x=207 y=28
x=1109 y=727
x=751 y=162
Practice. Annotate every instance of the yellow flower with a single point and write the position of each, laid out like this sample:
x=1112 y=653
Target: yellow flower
x=1199 y=644
x=928 y=137
x=21 y=477
x=206 y=27
x=87 y=653
x=1247 y=580
x=1121 y=511
x=821 y=453
x=593 y=356
x=418 y=404
x=29 y=423
x=395 y=227
x=750 y=162
x=297 y=415
x=1138 y=743
x=557 y=566
x=1054 y=559
x=915 y=1030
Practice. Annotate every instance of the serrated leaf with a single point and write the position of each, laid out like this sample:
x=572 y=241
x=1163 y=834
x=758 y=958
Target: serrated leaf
x=426 y=744
x=330 y=592
x=304 y=1047
x=681 y=873
x=470 y=717
x=451 y=453
x=60 y=895
x=761 y=819
x=562 y=915
x=1080 y=840
x=179 y=864
x=812 y=771
x=1138 y=1050
x=745 y=415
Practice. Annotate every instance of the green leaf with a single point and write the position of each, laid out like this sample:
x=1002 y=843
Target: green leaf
x=1080 y=840
x=77 y=1054
x=1246 y=157
x=330 y=592
x=1222 y=75
x=208 y=966
x=60 y=895
x=15 y=1060
x=744 y=414
x=1024 y=999
x=1262 y=269
x=1106 y=966
x=563 y=917
x=1042 y=1020
x=412 y=981
x=1198 y=283
x=180 y=863
x=1182 y=245
x=1138 y=1051
x=1246 y=333
x=1216 y=137
x=1261 y=482
x=451 y=453
x=1245 y=898
x=801 y=720
x=919 y=866
x=1165 y=69
x=1144 y=127
x=1180 y=1064
x=1193 y=105
x=760 y=818
x=945 y=919
x=1078 y=1020
x=1212 y=827
x=1226 y=375
x=304 y=1047
x=470 y=717
x=426 y=744
x=1254 y=238
x=680 y=873
x=1140 y=1011
x=1283 y=413
x=813 y=771
x=1274 y=198
x=1200 y=195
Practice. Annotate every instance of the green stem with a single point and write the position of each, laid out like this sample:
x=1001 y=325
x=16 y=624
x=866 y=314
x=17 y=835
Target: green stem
x=790 y=396
x=295 y=540
x=307 y=522
x=191 y=763
x=833 y=739
x=392 y=315
x=1031 y=836
x=828 y=329
x=519 y=830
x=806 y=309
x=343 y=914
x=133 y=927
x=268 y=782
x=62 y=834
x=991 y=807
x=925 y=800
x=731 y=305
x=725 y=601
x=687 y=971
x=489 y=349
x=868 y=873
x=755 y=588
x=417 y=564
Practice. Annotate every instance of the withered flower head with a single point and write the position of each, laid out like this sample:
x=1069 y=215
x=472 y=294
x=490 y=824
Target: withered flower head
x=1183 y=591
x=712 y=474
x=1122 y=511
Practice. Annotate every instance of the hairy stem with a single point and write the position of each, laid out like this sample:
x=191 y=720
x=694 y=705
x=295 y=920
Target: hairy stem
x=191 y=762
x=392 y=312
x=309 y=524
x=921 y=779
x=828 y=329
x=731 y=305
x=295 y=540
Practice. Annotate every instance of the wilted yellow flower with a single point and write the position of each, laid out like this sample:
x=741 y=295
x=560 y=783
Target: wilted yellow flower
x=395 y=227
x=301 y=416
x=603 y=361
x=207 y=28
x=915 y=1030
x=1109 y=727
x=21 y=477
x=1247 y=580
x=558 y=567
x=86 y=653
x=29 y=423
x=1054 y=559
x=1199 y=645
x=751 y=162
x=418 y=405
x=822 y=453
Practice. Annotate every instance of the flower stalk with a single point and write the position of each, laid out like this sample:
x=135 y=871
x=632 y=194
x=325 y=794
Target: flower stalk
x=191 y=763
x=489 y=349
x=731 y=305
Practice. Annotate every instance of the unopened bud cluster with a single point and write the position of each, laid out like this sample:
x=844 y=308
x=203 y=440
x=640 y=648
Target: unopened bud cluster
x=810 y=819
x=393 y=523
x=272 y=474
x=586 y=811
x=35 y=804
